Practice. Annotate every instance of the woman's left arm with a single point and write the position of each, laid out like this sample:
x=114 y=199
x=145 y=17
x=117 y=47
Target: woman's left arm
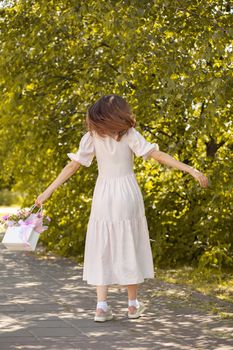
x=166 y=159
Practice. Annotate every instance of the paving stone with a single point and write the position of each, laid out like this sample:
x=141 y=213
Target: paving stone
x=7 y=307
x=55 y=332
x=45 y=305
x=48 y=324
x=17 y=340
x=42 y=307
x=35 y=346
x=13 y=331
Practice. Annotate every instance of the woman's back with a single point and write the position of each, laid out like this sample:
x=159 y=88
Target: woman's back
x=117 y=227
x=114 y=158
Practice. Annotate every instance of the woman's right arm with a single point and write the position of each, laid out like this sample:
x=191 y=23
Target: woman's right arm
x=64 y=175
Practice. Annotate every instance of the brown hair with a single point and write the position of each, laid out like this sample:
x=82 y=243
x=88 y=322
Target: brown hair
x=110 y=115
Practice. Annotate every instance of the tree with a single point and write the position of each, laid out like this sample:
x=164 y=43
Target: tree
x=172 y=61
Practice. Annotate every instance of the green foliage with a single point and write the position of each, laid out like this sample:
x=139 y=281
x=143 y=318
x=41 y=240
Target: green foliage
x=9 y=198
x=172 y=61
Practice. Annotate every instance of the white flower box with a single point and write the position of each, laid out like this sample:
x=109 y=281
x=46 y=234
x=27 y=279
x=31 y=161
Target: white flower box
x=23 y=229
x=20 y=238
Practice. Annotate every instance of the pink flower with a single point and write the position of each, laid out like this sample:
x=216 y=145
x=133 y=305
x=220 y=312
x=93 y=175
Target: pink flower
x=5 y=217
x=21 y=222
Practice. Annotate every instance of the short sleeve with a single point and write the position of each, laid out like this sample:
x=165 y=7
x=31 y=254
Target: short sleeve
x=139 y=145
x=86 y=151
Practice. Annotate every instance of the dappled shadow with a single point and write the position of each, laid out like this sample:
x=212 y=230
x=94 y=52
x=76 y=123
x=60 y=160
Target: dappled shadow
x=45 y=304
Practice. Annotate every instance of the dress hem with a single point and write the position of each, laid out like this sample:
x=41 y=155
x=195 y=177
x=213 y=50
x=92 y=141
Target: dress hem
x=117 y=283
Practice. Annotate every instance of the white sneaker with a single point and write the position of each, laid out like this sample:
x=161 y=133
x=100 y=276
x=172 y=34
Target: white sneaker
x=102 y=316
x=135 y=312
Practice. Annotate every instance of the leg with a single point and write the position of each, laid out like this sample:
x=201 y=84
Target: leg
x=103 y=310
x=102 y=292
x=132 y=298
x=132 y=291
x=101 y=306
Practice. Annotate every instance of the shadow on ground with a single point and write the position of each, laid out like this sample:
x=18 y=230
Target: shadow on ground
x=45 y=304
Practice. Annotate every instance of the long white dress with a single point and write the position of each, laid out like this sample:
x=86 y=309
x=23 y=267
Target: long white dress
x=117 y=245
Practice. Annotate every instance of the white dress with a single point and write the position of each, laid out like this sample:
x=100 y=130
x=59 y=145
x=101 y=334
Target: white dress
x=117 y=245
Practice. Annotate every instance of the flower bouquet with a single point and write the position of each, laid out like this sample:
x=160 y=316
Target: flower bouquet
x=24 y=228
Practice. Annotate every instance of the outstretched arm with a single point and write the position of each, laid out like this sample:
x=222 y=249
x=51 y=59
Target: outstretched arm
x=64 y=175
x=166 y=159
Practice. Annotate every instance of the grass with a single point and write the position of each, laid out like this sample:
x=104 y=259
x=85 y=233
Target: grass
x=207 y=282
x=215 y=286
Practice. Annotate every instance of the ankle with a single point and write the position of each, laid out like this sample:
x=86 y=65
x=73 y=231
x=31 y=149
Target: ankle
x=133 y=302
x=102 y=305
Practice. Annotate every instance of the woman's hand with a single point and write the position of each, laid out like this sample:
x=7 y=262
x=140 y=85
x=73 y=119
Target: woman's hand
x=201 y=178
x=41 y=198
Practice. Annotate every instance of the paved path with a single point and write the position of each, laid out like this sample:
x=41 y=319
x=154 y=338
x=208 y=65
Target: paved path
x=44 y=304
